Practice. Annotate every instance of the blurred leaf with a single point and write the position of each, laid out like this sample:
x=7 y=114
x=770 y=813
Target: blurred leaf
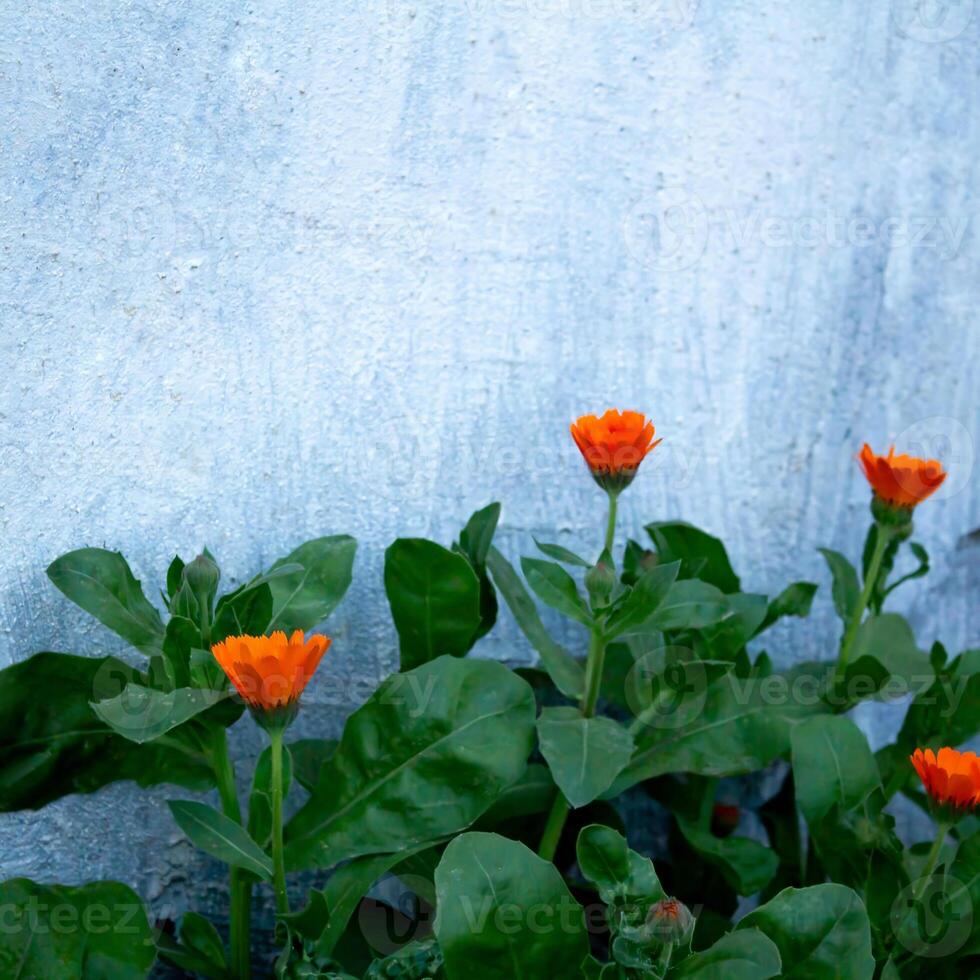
x=556 y=588
x=584 y=754
x=515 y=892
x=434 y=596
x=97 y=931
x=621 y=875
x=747 y=614
x=652 y=590
x=102 y=583
x=421 y=959
x=832 y=765
x=680 y=541
x=567 y=673
x=690 y=604
x=457 y=732
x=200 y=936
x=821 y=932
x=304 y=598
x=309 y=755
x=745 y=955
x=885 y=650
x=561 y=554
x=142 y=714
x=745 y=864
x=531 y=794
x=220 y=836
x=794 y=600
x=947 y=712
x=847 y=589
x=52 y=743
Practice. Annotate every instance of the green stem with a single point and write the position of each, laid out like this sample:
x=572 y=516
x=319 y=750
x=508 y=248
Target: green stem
x=611 y=522
x=593 y=684
x=937 y=845
x=882 y=537
x=240 y=888
x=278 y=862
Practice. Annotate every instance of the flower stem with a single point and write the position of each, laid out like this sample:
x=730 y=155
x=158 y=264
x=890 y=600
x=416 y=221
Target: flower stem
x=240 y=889
x=593 y=684
x=278 y=863
x=937 y=845
x=882 y=537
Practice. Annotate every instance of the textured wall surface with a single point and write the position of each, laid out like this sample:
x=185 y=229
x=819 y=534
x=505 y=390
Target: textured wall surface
x=275 y=270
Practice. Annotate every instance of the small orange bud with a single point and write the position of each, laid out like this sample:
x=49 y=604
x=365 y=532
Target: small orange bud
x=670 y=921
x=270 y=672
x=614 y=446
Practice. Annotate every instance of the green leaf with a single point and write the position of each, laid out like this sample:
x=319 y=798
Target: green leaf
x=220 y=836
x=52 y=743
x=474 y=543
x=747 y=612
x=556 y=588
x=245 y=611
x=428 y=752
x=97 y=931
x=622 y=876
x=561 y=554
x=923 y=569
x=745 y=864
x=420 y=959
x=174 y=576
x=847 y=590
x=142 y=714
x=304 y=598
x=506 y=909
x=533 y=793
x=735 y=725
x=946 y=712
x=434 y=596
x=794 y=600
x=832 y=765
x=102 y=583
x=651 y=590
x=745 y=955
x=822 y=933
x=562 y=668
x=309 y=755
x=885 y=649
x=690 y=604
x=585 y=754
x=680 y=541
x=200 y=936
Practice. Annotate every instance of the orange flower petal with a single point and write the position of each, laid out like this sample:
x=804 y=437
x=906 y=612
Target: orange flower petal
x=902 y=481
x=951 y=778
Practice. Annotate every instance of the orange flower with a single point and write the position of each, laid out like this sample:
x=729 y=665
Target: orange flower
x=270 y=672
x=901 y=481
x=951 y=778
x=614 y=446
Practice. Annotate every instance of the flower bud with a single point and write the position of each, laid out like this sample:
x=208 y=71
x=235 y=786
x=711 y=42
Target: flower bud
x=670 y=921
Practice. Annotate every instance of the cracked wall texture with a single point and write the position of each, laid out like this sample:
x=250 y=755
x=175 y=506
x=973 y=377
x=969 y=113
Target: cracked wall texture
x=276 y=270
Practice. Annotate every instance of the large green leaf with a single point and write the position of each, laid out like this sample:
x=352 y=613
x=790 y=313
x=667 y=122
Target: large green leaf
x=245 y=611
x=746 y=955
x=142 y=714
x=304 y=598
x=735 y=725
x=220 y=836
x=680 y=541
x=102 y=583
x=885 y=654
x=434 y=596
x=97 y=931
x=505 y=913
x=424 y=757
x=533 y=793
x=52 y=743
x=309 y=755
x=832 y=765
x=556 y=588
x=562 y=668
x=745 y=864
x=822 y=933
x=584 y=754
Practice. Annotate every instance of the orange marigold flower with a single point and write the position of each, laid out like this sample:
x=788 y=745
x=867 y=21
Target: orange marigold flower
x=951 y=778
x=270 y=672
x=614 y=445
x=901 y=481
